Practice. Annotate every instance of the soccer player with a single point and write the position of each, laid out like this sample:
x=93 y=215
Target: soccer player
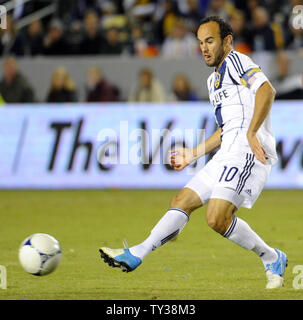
x=241 y=96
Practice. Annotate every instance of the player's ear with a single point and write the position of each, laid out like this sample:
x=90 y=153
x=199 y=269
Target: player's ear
x=228 y=40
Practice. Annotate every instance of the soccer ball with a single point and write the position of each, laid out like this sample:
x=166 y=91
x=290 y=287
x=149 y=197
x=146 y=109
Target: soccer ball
x=40 y=254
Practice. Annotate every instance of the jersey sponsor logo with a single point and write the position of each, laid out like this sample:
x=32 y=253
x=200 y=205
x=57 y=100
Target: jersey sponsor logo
x=219 y=96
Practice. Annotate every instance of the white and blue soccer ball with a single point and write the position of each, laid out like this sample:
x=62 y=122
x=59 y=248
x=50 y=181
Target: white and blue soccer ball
x=40 y=254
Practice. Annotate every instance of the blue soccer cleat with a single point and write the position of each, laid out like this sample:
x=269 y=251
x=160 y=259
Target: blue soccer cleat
x=275 y=271
x=120 y=258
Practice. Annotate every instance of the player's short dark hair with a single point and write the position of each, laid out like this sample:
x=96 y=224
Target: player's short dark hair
x=225 y=28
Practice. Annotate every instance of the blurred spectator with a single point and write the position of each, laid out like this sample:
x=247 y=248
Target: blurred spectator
x=241 y=33
x=139 y=46
x=75 y=10
x=141 y=9
x=181 y=43
x=54 y=42
x=111 y=44
x=193 y=15
x=112 y=18
x=262 y=34
x=98 y=89
x=166 y=16
x=62 y=87
x=110 y=15
x=220 y=8
x=276 y=9
x=138 y=43
x=34 y=38
x=74 y=37
x=91 y=43
x=182 y=89
x=294 y=36
x=67 y=10
x=266 y=23
x=247 y=7
x=258 y=25
x=14 y=87
x=287 y=86
x=11 y=41
x=148 y=89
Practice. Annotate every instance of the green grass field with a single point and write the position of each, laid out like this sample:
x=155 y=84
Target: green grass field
x=198 y=265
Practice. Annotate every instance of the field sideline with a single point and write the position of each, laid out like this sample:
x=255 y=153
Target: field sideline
x=198 y=265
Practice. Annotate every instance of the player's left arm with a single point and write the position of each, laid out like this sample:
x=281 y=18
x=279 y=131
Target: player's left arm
x=182 y=157
x=263 y=101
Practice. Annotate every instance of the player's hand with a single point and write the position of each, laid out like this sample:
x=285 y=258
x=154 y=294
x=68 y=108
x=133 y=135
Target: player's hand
x=256 y=147
x=180 y=158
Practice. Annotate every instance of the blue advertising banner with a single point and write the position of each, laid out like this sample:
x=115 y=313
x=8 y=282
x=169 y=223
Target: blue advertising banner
x=124 y=145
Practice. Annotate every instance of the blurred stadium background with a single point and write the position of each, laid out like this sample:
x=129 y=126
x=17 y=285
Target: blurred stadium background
x=78 y=77
x=71 y=69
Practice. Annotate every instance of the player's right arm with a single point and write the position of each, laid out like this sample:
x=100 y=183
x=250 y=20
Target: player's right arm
x=182 y=157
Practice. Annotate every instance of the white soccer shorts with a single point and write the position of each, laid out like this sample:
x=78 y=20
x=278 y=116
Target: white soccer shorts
x=237 y=179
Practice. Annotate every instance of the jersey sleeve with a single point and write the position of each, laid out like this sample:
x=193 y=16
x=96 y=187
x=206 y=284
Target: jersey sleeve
x=245 y=72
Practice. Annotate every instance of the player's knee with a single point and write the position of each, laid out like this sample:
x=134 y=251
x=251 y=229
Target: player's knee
x=219 y=215
x=215 y=222
x=186 y=200
x=179 y=201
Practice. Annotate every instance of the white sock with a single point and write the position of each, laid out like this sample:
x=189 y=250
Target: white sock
x=168 y=227
x=241 y=233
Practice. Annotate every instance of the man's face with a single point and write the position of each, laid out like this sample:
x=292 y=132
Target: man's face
x=211 y=44
x=55 y=33
x=10 y=69
x=145 y=79
x=94 y=75
x=91 y=22
x=112 y=36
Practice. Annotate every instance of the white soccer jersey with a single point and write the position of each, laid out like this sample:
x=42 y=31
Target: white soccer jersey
x=232 y=89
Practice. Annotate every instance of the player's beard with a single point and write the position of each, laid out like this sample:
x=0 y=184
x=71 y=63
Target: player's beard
x=218 y=58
